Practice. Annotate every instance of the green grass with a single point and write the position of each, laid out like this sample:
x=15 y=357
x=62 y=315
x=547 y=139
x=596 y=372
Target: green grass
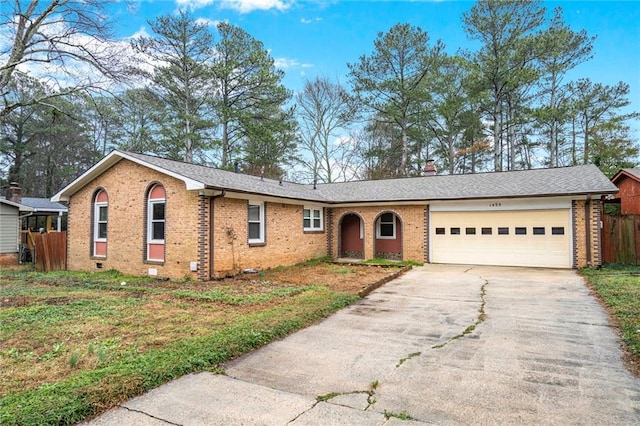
x=380 y=261
x=76 y=344
x=619 y=287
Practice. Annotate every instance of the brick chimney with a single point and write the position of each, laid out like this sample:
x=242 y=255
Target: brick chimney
x=430 y=168
x=14 y=193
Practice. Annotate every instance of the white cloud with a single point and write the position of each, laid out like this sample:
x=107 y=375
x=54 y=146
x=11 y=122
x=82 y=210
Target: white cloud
x=142 y=32
x=246 y=6
x=343 y=141
x=208 y=22
x=309 y=21
x=286 y=63
x=193 y=4
x=242 y=6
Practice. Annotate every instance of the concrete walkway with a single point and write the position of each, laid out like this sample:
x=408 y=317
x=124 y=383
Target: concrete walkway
x=440 y=345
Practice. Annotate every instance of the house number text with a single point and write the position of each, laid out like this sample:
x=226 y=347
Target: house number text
x=495 y=204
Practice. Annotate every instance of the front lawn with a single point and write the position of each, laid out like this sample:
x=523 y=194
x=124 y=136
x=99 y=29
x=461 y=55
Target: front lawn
x=619 y=289
x=75 y=344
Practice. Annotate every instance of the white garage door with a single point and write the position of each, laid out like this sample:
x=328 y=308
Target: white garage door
x=509 y=238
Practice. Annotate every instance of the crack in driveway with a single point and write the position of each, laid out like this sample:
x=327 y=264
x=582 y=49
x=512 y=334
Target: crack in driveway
x=481 y=315
x=133 y=410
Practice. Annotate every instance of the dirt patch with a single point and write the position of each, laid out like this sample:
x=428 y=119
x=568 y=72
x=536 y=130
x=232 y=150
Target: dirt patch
x=57 y=301
x=348 y=278
x=13 y=301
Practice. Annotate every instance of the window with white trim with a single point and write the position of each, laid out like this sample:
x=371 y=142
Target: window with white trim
x=156 y=221
x=101 y=215
x=386 y=226
x=100 y=222
x=256 y=222
x=312 y=219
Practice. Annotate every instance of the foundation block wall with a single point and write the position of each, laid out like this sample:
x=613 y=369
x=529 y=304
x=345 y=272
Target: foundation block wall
x=126 y=184
x=413 y=229
x=286 y=243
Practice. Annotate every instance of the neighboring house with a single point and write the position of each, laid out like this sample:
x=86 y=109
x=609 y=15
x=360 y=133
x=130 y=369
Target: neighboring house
x=10 y=231
x=628 y=183
x=19 y=215
x=146 y=215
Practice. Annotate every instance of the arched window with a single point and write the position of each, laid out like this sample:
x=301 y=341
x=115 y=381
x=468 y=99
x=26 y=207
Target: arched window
x=156 y=223
x=100 y=221
x=386 y=226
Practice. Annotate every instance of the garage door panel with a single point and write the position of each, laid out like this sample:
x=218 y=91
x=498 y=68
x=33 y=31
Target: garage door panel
x=550 y=249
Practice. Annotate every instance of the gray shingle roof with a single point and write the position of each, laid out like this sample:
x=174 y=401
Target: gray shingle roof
x=634 y=172
x=40 y=204
x=43 y=204
x=226 y=180
x=587 y=179
x=577 y=180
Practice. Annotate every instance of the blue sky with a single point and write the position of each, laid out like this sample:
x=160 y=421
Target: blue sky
x=310 y=38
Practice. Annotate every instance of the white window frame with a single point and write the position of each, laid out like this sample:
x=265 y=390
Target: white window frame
x=379 y=227
x=150 y=220
x=312 y=217
x=260 y=221
x=97 y=222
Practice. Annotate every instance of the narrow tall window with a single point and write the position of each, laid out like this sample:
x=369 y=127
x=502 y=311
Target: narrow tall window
x=256 y=222
x=156 y=203
x=100 y=221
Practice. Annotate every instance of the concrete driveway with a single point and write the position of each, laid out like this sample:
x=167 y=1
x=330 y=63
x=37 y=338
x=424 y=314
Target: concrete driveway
x=440 y=345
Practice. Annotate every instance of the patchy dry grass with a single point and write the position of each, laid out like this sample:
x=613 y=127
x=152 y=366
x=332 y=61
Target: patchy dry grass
x=619 y=289
x=75 y=344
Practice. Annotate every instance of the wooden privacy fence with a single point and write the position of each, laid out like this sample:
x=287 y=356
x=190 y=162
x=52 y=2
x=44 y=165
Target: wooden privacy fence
x=51 y=251
x=621 y=239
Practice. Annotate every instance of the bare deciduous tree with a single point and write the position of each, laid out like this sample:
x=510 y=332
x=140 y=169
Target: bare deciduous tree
x=323 y=111
x=64 y=43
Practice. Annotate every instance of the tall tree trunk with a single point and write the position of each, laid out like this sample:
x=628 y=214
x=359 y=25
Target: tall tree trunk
x=512 y=140
x=586 y=141
x=553 y=135
x=497 y=140
x=405 y=146
x=574 y=157
x=188 y=146
x=225 y=143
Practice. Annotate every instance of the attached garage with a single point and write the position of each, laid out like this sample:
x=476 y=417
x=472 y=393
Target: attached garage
x=502 y=232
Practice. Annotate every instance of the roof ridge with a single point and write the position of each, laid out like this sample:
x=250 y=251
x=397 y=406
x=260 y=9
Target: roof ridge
x=187 y=164
x=457 y=175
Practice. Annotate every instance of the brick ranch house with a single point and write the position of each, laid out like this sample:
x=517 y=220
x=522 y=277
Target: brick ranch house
x=146 y=215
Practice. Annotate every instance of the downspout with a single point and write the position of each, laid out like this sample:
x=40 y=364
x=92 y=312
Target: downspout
x=587 y=224
x=211 y=230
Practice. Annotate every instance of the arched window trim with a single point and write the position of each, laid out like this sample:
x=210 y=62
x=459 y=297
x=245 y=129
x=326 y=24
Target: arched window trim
x=383 y=228
x=155 y=222
x=100 y=222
